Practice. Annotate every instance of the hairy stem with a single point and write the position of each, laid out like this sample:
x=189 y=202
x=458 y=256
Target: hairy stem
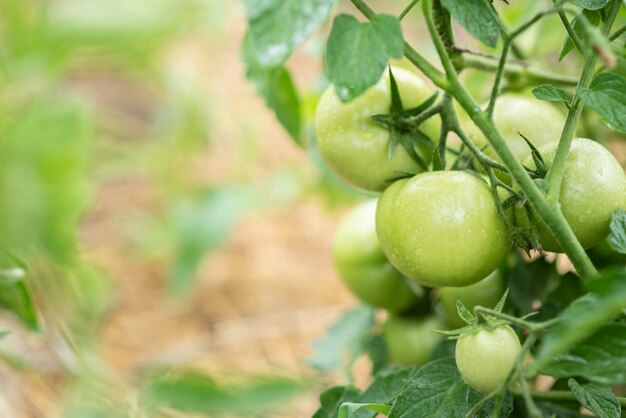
x=530 y=73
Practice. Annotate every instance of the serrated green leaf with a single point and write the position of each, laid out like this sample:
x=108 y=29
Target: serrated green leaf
x=580 y=320
x=550 y=93
x=596 y=398
x=332 y=399
x=476 y=18
x=438 y=390
x=277 y=27
x=617 y=238
x=607 y=96
x=358 y=53
x=349 y=409
x=345 y=336
x=591 y=4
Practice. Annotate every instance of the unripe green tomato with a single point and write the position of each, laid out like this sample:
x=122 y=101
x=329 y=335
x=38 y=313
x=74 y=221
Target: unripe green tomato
x=486 y=357
x=593 y=187
x=486 y=292
x=357 y=148
x=411 y=341
x=363 y=266
x=537 y=120
x=441 y=228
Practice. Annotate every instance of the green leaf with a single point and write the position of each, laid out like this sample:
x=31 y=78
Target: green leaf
x=192 y=391
x=437 y=390
x=550 y=93
x=578 y=321
x=15 y=295
x=348 y=409
x=578 y=25
x=554 y=410
x=383 y=389
x=475 y=16
x=591 y=4
x=357 y=53
x=332 y=399
x=278 y=27
x=347 y=335
x=607 y=96
x=618 y=231
x=596 y=398
x=276 y=86
x=376 y=349
x=464 y=313
x=200 y=224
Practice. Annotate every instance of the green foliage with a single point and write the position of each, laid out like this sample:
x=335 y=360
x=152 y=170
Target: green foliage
x=192 y=391
x=15 y=294
x=475 y=16
x=600 y=400
x=607 y=96
x=618 y=231
x=357 y=53
x=591 y=4
x=550 y=93
x=346 y=336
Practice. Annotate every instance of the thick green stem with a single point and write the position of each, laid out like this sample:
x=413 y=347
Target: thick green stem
x=530 y=73
x=555 y=220
x=555 y=174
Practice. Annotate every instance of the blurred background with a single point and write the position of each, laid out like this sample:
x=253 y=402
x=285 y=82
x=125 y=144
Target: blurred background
x=162 y=238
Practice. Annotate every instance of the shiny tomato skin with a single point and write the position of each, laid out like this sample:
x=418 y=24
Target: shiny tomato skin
x=362 y=265
x=441 y=228
x=357 y=148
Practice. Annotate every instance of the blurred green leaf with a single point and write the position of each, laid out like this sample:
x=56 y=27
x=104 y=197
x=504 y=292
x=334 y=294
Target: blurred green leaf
x=600 y=400
x=600 y=358
x=42 y=178
x=350 y=409
x=591 y=4
x=346 y=337
x=578 y=25
x=607 y=96
x=358 y=53
x=385 y=387
x=195 y=392
x=277 y=27
x=15 y=295
x=200 y=224
x=332 y=399
x=550 y=93
x=475 y=16
x=618 y=231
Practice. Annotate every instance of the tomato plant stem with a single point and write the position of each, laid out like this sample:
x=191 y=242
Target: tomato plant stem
x=407 y=9
x=570 y=30
x=555 y=174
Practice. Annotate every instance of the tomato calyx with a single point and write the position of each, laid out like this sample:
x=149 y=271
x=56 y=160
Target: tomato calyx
x=403 y=124
x=476 y=322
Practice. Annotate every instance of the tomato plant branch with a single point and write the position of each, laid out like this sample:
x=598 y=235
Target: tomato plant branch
x=528 y=72
x=570 y=30
x=617 y=33
x=407 y=9
x=555 y=220
x=555 y=173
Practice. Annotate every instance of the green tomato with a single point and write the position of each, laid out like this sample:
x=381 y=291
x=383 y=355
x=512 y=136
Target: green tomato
x=594 y=186
x=357 y=148
x=486 y=292
x=410 y=341
x=363 y=266
x=537 y=120
x=441 y=228
x=486 y=357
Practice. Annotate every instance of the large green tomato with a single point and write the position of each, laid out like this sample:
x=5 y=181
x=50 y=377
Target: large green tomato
x=594 y=186
x=486 y=357
x=357 y=148
x=486 y=292
x=363 y=266
x=410 y=341
x=441 y=228
x=537 y=120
